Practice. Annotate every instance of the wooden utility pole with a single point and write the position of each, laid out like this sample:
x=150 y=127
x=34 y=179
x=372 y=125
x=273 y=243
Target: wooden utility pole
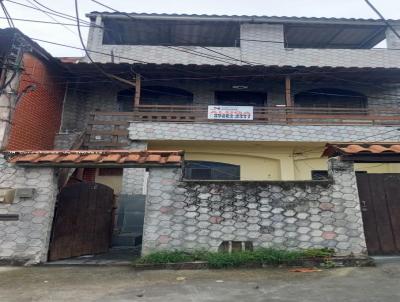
x=138 y=85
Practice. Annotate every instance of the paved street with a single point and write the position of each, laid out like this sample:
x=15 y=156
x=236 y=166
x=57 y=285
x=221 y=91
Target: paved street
x=124 y=284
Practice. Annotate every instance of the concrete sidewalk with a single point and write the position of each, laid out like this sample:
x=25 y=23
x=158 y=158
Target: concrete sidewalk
x=21 y=284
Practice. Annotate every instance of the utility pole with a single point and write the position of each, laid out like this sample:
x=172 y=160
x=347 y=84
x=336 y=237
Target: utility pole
x=9 y=84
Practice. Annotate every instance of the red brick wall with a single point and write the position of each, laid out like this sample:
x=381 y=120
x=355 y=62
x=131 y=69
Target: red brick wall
x=37 y=117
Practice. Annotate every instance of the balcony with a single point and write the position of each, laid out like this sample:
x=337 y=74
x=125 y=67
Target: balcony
x=109 y=129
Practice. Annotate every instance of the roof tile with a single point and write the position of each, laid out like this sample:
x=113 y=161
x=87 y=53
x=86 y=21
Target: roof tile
x=97 y=157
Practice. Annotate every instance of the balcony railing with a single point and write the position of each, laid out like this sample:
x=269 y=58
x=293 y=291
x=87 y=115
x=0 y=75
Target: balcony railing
x=110 y=128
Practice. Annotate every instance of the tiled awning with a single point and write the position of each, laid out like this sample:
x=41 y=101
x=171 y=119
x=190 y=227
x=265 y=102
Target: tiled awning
x=365 y=152
x=94 y=158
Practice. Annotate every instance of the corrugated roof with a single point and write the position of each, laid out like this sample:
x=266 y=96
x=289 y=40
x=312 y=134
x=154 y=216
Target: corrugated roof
x=121 y=158
x=357 y=149
x=258 y=18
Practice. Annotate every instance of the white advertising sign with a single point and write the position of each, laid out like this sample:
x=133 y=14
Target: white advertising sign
x=230 y=112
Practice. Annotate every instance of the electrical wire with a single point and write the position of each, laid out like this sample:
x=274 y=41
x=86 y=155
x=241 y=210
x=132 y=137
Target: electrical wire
x=58 y=14
x=46 y=22
x=86 y=51
x=7 y=15
x=53 y=18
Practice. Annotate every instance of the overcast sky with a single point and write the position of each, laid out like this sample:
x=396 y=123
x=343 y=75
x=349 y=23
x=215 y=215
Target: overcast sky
x=308 y=8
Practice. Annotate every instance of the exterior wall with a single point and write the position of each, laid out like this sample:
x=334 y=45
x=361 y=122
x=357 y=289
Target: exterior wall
x=266 y=161
x=28 y=238
x=259 y=132
x=260 y=53
x=201 y=215
x=134 y=179
x=392 y=41
x=38 y=114
x=114 y=182
x=83 y=99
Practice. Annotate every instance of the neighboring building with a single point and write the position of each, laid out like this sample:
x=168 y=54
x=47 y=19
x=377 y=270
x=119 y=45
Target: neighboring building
x=212 y=129
x=33 y=82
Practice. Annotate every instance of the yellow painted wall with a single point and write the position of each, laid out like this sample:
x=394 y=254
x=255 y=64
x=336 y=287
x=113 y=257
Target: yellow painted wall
x=114 y=182
x=266 y=161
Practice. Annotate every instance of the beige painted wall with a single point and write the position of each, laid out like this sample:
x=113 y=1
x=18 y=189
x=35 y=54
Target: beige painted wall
x=266 y=161
x=114 y=182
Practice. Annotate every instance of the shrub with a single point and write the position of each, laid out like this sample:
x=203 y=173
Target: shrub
x=236 y=259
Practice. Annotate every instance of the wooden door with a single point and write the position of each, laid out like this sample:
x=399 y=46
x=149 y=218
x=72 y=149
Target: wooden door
x=83 y=221
x=380 y=206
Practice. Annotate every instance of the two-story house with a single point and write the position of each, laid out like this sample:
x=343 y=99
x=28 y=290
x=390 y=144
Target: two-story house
x=221 y=123
x=303 y=82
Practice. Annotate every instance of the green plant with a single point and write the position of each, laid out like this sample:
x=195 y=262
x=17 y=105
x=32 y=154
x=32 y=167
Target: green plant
x=236 y=259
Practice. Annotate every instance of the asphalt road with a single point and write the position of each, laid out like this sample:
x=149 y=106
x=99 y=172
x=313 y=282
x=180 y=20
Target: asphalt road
x=381 y=283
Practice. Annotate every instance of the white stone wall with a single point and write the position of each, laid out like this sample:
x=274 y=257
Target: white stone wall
x=259 y=132
x=294 y=215
x=134 y=179
x=27 y=239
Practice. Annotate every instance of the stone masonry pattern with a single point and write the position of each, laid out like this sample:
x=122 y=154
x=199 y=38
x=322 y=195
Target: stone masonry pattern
x=27 y=239
x=258 y=132
x=201 y=215
x=251 y=51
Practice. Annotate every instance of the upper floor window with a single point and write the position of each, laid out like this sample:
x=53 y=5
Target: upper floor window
x=206 y=170
x=171 y=33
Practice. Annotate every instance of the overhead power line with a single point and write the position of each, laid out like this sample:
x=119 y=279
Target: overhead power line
x=6 y=14
x=52 y=18
x=45 y=22
x=58 y=14
x=383 y=18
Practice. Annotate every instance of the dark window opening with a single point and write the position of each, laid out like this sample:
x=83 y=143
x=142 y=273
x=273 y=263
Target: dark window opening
x=154 y=95
x=171 y=33
x=205 y=170
x=110 y=171
x=235 y=246
x=319 y=175
x=241 y=98
x=330 y=98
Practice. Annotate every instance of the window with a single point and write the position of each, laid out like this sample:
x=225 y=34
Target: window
x=319 y=175
x=171 y=33
x=241 y=98
x=205 y=170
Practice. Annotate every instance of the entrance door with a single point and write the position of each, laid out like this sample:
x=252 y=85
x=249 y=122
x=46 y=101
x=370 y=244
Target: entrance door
x=83 y=221
x=380 y=206
x=128 y=231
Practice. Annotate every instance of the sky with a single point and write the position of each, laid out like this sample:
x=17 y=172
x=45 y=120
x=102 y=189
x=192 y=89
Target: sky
x=57 y=33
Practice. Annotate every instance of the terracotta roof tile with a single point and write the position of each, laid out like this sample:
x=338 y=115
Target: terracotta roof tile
x=352 y=149
x=95 y=157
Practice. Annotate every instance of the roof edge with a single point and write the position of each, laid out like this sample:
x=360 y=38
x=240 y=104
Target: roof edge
x=243 y=18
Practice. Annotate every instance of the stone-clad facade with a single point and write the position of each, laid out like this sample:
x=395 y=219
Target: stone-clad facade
x=27 y=239
x=259 y=132
x=201 y=215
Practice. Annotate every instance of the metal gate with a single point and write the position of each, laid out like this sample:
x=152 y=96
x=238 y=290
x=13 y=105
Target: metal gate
x=380 y=206
x=83 y=221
